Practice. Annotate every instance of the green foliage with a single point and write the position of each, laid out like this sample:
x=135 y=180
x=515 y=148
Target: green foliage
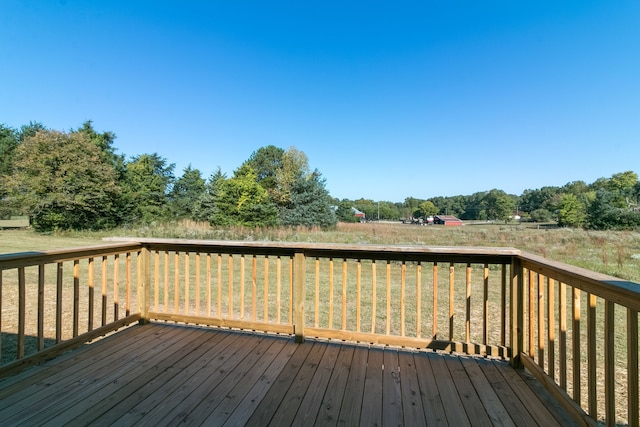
x=63 y=182
x=104 y=141
x=205 y=205
x=144 y=190
x=410 y=206
x=29 y=130
x=344 y=213
x=603 y=214
x=499 y=205
x=8 y=145
x=540 y=215
x=572 y=212
x=241 y=200
x=310 y=204
x=425 y=209
x=294 y=167
x=542 y=198
x=388 y=211
x=185 y=194
x=266 y=161
x=379 y=210
x=146 y=184
x=368 y=206
x=455 y=205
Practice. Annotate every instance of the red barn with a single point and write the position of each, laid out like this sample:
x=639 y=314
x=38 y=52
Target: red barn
x=447 y=220
x=358 y=214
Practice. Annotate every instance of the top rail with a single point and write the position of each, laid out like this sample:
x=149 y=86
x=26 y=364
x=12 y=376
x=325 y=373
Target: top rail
x=25 y=259
x=622 y=292
x=336 y=250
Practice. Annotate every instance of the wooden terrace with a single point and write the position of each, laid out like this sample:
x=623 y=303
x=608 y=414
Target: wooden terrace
x=159 y=374
x=165 y=332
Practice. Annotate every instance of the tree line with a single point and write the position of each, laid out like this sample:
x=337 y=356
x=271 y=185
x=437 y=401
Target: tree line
x=606 y=204
x=76 y=180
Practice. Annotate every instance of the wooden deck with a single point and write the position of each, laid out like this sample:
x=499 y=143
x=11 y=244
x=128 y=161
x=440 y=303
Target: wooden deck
x=162 y=374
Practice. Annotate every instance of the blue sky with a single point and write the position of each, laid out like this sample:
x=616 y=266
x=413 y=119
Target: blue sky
x=387 y=99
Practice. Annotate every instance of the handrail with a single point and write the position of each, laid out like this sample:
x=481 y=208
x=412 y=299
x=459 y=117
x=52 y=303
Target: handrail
x=24 y=259
x=55 y=300
x=622 y=292
x=562 y=349
x=441 y=298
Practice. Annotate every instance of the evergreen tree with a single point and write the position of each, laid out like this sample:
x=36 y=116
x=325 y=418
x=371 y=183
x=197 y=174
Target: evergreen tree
x=266 y=162
x=206 y=204
x=344 y=212
x=310 y=204
x=147 y=182
x=186 y=192
x=104 y=141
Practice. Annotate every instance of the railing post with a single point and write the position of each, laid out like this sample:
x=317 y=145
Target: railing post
x=143 y=282
x=516 y=306
x=298 y=296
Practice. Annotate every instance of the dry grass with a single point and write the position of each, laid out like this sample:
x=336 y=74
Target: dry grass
x=616 y=253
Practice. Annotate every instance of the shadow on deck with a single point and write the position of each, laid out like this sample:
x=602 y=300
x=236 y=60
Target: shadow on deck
x=165 y=374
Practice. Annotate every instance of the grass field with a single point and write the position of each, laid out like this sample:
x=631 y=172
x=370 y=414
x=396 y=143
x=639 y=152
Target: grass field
x=616 y=253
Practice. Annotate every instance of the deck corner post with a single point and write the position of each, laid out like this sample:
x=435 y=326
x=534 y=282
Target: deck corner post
x=143 y=282
x=298 y=296
x=516 y=314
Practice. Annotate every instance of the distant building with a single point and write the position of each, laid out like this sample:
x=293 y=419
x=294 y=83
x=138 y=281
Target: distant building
x=358 y=214
x=447 y=220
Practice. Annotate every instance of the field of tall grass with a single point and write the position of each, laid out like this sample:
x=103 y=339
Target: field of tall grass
x=616 y=253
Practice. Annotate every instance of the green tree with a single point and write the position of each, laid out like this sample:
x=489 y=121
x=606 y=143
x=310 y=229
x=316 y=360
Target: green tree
x=425 y=209
x=310 y=204
x=499 y=205
x=186 y=192
x=622 y=186
x=294 y=168
x=206 y=204
x=29 y=130
x=8 y=144
x=105 y=141
x=454 y=205
x=63 y=182
x=572 y=212
x=266 y=162
x=344 y=212
x=241 y=200
x=388 y=210
x=368 y=206
x=410 y=206
x=147 y=182
x=540 y=215
x=531 y=200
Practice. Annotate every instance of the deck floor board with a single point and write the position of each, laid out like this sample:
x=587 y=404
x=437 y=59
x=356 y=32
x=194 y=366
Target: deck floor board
x=166 y=374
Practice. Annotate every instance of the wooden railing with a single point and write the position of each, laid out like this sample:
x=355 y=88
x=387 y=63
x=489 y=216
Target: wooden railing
x=52 y=301
x=496 y=302
x=580 y=337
